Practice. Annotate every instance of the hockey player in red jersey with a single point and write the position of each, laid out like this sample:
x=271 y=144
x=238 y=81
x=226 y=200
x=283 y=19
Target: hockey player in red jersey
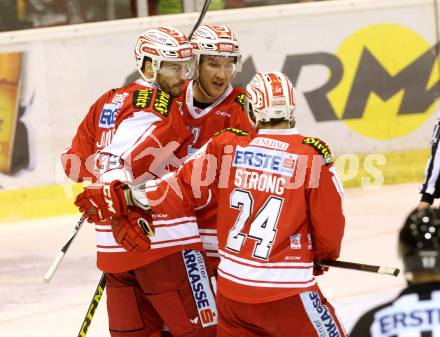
x=279 y=210
x=144 y=290
x=211 y=104
x=98 y=126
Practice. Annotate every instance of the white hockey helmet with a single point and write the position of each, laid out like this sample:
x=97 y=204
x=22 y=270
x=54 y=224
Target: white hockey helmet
x=270 y=96
x=161 y=44
x=216 y=41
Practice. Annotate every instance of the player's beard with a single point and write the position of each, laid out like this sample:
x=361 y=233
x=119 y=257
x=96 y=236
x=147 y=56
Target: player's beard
x=174 y=89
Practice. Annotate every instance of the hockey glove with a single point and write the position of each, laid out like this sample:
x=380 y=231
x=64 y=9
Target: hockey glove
x=102 y=201
x=132 y=231
x=319 y=269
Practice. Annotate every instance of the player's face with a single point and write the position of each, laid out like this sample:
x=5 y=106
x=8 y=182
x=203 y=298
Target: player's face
x=172 y=75
x=215 y=74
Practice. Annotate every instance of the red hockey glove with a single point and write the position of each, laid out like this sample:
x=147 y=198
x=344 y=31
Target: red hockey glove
x=101 y=201
x=132 y=231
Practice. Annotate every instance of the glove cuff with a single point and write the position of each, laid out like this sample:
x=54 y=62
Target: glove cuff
x=139 y=198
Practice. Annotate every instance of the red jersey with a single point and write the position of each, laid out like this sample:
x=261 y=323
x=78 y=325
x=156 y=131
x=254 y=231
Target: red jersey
x=148 y=139
x=96 y=132
x=279 y=208
x=225 y=112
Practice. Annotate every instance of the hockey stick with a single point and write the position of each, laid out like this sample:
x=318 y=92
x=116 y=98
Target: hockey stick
x=359 y=266
x=92 y=307
x=52 y=269
x=200 y=19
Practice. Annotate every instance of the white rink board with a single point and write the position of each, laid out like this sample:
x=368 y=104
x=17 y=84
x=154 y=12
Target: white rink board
x=67 y=68
x=31 y=308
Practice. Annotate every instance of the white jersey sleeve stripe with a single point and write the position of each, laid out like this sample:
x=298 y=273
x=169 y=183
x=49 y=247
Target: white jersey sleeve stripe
x=110 y=249
x=208 y=231
x=103 y=227
x=268 y=274
x=181 y=231
x=116 y=174
x=106 y=239
x=267 y=264
x=175 y=243
x=265 y=284
x=174 y=221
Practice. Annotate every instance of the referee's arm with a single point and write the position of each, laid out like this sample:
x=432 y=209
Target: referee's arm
x=430 y=190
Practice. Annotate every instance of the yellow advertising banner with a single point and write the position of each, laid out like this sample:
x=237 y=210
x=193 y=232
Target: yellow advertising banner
x=10 y=65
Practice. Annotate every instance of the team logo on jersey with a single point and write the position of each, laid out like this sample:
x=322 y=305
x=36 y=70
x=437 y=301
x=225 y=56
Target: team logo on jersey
x=119 y=98
x=142 y=98
x=162 y=103
x=108 y=115
x=223 y=114
x=321 y=148
x=197 y=110
x=295 y=241
x=199 y=280
x=266 y=160
x=240 y=99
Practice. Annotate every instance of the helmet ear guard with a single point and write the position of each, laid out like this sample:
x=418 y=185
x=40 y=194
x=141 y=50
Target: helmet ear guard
x=248 y=108
x=419 y=241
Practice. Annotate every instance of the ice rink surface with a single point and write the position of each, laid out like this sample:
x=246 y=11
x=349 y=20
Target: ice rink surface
x=31 y=308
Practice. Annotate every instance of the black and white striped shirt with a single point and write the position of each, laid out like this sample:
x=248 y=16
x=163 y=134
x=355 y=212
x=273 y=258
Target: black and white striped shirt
x=414 y=313
x=430 y=190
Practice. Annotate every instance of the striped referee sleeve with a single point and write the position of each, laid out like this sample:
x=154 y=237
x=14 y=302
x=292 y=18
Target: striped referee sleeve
x=430 y=190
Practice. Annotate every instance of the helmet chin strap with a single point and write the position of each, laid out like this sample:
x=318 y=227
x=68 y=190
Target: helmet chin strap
x=203 y=90
x=151 y=80
x=155 y=68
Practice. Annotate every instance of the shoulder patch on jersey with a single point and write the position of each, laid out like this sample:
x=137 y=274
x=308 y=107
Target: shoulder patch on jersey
x=322 y=148
x=240 y=99
x=142 y=98
x=233 y=130
x=162 y=103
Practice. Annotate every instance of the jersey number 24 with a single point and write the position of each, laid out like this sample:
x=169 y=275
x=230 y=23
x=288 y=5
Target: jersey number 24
x=263 y=228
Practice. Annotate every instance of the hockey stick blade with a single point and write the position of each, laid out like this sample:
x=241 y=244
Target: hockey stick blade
x=200 y=19
x=57 y=261
x=92 y=307
x=360 y=266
